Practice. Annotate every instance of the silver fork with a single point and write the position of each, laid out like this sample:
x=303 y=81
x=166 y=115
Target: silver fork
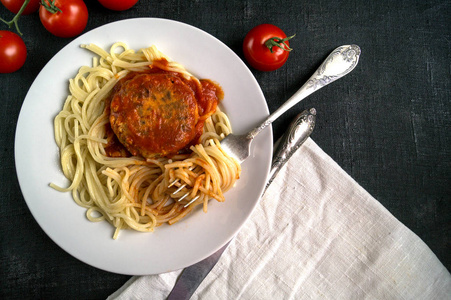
x=339 y=63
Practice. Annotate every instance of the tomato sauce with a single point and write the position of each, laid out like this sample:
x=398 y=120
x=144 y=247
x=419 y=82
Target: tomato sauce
x=158 y=112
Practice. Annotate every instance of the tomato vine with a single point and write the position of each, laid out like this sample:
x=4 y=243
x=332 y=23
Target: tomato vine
x=15 y=20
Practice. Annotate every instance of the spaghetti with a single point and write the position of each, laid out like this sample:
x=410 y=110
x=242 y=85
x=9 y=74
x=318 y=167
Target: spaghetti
x=132 y=192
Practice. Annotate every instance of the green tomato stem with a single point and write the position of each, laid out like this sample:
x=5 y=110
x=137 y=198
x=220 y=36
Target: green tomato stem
x=50 y=6
x=278 y=42
x=16 y=17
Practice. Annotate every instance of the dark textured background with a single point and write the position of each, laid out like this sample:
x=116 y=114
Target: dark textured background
x=387 y=123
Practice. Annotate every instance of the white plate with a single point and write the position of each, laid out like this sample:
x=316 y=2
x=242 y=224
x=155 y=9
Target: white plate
x=169 y=247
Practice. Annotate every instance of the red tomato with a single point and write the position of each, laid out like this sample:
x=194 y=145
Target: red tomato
x=15 y=5
x=266 y=47
x=13 y=52
x=118 y=4
x=64 y=18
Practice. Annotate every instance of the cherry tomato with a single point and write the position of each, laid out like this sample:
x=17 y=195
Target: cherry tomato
x=266 y=47
x=13 y=52
x=15 y=5
x=64 y=18
x=118 y=4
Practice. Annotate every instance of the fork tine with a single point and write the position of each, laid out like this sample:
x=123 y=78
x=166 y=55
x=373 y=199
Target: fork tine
x=192 y=200
x=179 y=189
x=174 y=182
x=178 y=179
x=183 y=197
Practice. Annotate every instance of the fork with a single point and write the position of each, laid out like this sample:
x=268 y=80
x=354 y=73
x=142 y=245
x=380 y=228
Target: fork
x=338 y=63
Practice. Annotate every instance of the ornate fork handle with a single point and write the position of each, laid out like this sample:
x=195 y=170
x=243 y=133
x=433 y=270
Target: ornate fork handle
x=340 y=62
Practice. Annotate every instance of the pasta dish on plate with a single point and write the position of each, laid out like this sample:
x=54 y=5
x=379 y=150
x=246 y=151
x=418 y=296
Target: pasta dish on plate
x=139 y=139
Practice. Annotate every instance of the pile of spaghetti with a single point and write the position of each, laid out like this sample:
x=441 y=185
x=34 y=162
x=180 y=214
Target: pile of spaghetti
x=128 y=189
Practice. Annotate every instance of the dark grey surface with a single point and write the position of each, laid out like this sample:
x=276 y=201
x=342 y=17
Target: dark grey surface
x=387 y=123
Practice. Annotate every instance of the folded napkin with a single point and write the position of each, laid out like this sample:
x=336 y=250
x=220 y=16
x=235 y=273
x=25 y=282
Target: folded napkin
x=315 y=234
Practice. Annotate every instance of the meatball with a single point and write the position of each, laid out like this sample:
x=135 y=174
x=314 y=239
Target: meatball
x=154 y=114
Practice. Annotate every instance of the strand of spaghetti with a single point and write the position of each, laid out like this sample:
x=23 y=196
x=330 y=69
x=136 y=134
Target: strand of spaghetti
x=178 y=164
x=116 y=232
x=110 y=205
x=100 y=96
x=95 y=49
x=145 y=177
x=160 y=203
x=130 y=65
x=145 y=196
x=113 y=56
x=125 y=184
x=142 y=175
x=81 y=196
x=220 y=166
x=105 y=62
x=73 y=121
x=196 y=185
x=97 y=74
x=120 y=176
x=74 y=174
x=205 y=199
x=233 y=164
x=80 y=86
x=223 y=164
x=182 y=214
x=113 y=52
x=137 y=56
x=215 y=192
x=86 y=104
x=75 y=90
x=60 y=133
x=75 y=106
x=152 y=53
x=92 y=185
x=132 y=223
x=160 y=194
x=90 y=212
x=205 y=161
x=168 y=215
x=110 y=184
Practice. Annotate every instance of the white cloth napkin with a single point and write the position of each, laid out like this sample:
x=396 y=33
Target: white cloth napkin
x=316 y=234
